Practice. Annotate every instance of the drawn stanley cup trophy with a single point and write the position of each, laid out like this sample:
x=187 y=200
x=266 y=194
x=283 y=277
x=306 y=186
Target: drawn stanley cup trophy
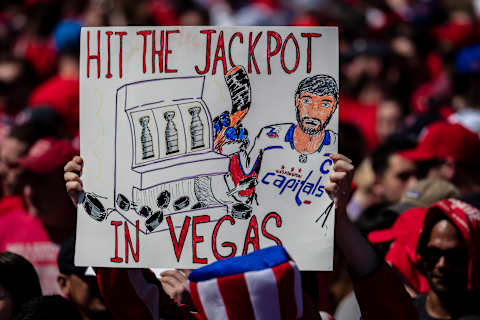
x=146 y=138
x=196 y=128
x=171 y=134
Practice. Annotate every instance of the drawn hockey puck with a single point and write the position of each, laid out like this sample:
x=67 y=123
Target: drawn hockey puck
x=199 y=205
x=94 y=207
x=241 y=210
x=163 y=200
x=145 y=211
x=122 y=202
x=154 y=221
x=181 y=203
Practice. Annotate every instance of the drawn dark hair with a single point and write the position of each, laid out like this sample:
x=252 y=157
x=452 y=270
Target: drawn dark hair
x=319 y=85
x=19 y=278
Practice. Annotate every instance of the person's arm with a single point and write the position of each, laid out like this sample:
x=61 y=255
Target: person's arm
x=361 y=257
x=137 y=294
x=380 y=293
x=174 y=283
x=128 y=293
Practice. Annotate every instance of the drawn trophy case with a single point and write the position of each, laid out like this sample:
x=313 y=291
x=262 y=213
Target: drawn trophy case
x=170 y=141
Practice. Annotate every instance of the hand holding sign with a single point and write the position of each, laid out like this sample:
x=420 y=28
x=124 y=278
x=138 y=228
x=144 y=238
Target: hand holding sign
x=73 y=171
x=174 y=282
x=340 y=181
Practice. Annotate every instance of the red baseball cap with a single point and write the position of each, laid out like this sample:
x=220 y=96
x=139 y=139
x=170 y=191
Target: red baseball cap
x=405 y=233
x=47 y=155
x=62 y=95
x=443 y=140
x=403 y=228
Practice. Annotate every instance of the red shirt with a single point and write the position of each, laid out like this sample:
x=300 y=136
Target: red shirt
x=25 y=235
x=9 y=204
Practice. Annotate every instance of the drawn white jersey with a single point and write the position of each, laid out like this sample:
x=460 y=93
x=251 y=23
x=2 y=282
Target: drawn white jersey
x=284 y=171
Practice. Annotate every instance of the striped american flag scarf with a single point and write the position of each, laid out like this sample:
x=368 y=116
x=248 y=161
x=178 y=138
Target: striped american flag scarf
x=264 y=284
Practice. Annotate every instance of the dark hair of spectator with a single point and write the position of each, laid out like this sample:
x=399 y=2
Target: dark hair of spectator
x=48 y=307
x=472 y=91
x=19 y=278
x=189 y=6
x=352 y=142
x=29 y=133
x=381 y=155
x=377 y=217
x=18 y=89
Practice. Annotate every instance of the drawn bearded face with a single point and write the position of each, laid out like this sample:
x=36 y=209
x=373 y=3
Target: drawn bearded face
x=314 y=112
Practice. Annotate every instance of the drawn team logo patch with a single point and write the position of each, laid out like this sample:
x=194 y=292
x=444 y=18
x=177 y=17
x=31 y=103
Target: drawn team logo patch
x=272 y=133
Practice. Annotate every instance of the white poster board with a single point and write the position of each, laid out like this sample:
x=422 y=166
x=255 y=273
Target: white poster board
x=202 y=143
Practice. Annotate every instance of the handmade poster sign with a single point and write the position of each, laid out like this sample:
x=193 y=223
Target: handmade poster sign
x=202 y=143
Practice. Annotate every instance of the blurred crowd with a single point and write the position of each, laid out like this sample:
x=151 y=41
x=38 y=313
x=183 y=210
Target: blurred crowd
x=409 y=120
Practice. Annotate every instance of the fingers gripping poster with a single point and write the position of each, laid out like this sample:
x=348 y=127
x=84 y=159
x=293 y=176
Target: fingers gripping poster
x=202 y=143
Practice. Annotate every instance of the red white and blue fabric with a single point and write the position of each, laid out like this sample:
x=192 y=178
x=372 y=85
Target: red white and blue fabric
x=265 y=284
